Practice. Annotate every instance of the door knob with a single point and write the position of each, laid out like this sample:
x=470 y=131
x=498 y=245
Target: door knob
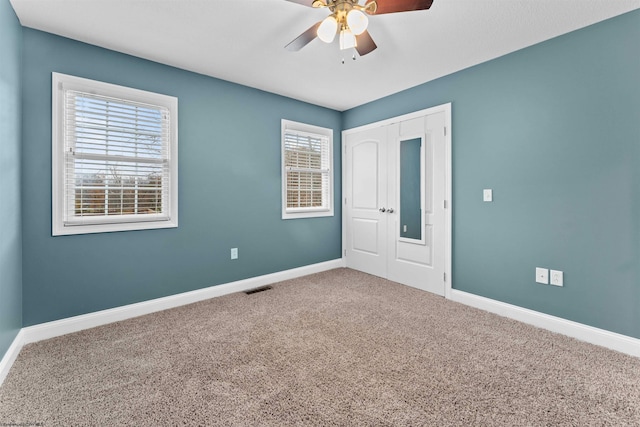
x=382 y=210
x=390 y=210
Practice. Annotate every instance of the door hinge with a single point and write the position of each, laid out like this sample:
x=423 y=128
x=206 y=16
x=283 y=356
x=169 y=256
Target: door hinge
x=445 y=131
x=345 y=252
x=444 y=276
x=345 y=201
x=445 y=204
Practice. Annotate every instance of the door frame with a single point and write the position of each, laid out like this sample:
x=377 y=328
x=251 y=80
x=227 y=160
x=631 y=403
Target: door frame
x=446 y=108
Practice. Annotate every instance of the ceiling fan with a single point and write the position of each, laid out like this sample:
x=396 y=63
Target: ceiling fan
x=349 y=19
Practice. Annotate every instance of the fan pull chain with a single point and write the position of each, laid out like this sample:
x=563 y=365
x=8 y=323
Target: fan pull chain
x=352 y=57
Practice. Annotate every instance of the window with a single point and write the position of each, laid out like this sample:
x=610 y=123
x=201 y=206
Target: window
x=115 y=158
x=307 y=169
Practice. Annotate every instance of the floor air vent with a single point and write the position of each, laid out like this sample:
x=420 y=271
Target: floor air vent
x=256 y=290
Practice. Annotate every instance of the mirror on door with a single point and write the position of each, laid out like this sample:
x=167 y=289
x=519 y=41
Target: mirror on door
x=411 y=223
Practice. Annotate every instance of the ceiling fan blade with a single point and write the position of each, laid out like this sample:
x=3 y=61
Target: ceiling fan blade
x=364 y=43
x=303 y=39
x=392 y=6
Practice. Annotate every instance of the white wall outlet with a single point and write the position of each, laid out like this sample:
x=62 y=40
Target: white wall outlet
x=234 y=253
x=487 y=195
x=557 y=278
x=542 y=275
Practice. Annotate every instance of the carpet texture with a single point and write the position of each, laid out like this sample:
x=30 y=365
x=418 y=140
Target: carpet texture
x=336 y=348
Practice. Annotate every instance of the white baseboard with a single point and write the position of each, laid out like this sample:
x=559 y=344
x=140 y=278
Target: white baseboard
x=57 y=328
x=11 y=355
x=601 y=337
x=85 y=321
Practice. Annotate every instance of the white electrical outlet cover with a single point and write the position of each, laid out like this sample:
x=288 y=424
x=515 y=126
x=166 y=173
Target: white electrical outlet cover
x=487 y=195
x=542 y=275
x=557 y=278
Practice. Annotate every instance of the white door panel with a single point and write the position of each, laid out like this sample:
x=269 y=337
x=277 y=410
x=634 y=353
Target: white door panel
x=417 y=254
x=366 y=226
x=365 y=235
x=416 y=262
x=364 y=163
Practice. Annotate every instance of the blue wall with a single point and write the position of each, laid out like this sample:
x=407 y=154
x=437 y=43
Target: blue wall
x=554 y=130
x=230 y=194
x=10 y=235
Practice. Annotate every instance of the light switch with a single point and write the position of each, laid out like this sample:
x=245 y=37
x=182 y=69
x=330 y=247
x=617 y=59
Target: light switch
x=542 y=275
x=487 y=195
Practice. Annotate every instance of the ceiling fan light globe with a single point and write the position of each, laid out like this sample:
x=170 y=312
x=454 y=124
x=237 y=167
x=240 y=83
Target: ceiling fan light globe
x=357 y=21
x=328 y=29
x=347 y=39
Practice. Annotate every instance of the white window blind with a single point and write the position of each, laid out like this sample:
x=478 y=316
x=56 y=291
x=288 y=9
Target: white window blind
x=307 y=171
x=307 y=167
x=114 y=159
x=117 y=161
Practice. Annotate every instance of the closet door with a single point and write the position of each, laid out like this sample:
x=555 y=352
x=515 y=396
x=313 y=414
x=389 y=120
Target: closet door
x=366 y=206
x=395 y=190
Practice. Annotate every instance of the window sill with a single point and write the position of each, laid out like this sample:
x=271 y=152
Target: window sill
x=62 y=230
x=307 y=214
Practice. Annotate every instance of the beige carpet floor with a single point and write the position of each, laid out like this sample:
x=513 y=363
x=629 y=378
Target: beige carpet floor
x=335 y=348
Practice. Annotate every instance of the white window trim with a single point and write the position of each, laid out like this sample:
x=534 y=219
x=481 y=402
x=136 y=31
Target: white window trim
x=62 y=83
x=293 y=213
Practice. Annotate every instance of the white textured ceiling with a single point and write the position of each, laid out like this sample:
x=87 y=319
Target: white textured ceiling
x=243 y=40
